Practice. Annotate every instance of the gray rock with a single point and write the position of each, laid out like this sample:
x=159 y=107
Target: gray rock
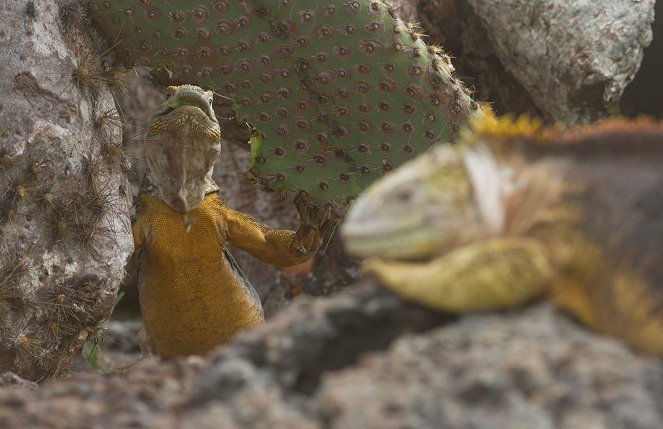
x=574 y=57
x=64 y=225
x=11 y=379
x=526 y=369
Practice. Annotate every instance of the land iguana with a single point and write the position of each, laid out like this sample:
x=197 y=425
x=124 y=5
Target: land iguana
x=517 y=211
x=193 y=296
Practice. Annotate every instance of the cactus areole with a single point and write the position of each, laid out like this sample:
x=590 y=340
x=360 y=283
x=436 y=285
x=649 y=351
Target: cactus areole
x=338 y=92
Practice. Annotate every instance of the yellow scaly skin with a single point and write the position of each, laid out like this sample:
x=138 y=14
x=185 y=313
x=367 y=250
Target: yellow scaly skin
x=515 y=212
x=192 y=296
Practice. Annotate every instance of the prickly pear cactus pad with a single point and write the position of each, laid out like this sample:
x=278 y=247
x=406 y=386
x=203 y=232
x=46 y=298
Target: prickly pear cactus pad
x=338 y=92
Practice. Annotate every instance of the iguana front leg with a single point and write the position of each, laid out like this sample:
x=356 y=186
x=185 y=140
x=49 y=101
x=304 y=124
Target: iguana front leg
x=281 y=247
x=498 y=273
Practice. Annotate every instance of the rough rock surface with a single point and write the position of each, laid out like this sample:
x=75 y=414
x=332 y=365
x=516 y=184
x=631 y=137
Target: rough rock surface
x=367 y=359
x=65 y=234
x=10 y=379
x=574 y=57
x=529 y=369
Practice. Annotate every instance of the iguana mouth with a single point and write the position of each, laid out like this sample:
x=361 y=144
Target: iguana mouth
x=192 y=100
x=403 y=242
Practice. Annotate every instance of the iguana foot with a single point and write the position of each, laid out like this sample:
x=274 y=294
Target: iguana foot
x=317 y=219
x=322 y=216
x=495 y=274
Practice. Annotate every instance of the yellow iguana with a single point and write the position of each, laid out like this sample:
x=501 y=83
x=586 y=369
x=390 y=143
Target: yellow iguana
x=515 y=212
x=192 y=294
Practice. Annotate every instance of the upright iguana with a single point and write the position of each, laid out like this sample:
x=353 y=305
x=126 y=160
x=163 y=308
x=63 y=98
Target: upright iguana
x=516 y=211
x=192 y=294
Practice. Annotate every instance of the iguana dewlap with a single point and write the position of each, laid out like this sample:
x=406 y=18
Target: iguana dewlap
x=515 y=212
x=192 y=295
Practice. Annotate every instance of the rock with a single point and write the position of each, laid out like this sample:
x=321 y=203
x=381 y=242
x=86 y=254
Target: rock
x=574 y=57
x=256 y=382
x=10 y=379
x=64 y=201
x=526 y=369
x=117 y=348
x=121 y=336
x=88 y=400
x=367 y=359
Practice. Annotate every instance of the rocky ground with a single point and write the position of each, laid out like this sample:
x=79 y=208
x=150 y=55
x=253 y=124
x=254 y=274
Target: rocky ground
x=364 y=358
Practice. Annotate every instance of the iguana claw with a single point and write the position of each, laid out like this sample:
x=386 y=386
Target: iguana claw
x=323 y=216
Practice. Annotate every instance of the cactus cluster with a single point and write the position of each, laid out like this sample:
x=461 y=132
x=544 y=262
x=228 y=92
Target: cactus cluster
x=337 y=92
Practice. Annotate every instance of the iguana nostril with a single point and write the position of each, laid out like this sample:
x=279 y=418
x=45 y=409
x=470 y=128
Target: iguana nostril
x=403 y=195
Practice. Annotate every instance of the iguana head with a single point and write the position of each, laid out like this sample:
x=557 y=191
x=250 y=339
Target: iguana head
x=182 y=144
x=446 y=197
x=414 y=212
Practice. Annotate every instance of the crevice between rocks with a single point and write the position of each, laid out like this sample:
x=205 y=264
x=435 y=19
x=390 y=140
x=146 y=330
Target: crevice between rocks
x=644 y=96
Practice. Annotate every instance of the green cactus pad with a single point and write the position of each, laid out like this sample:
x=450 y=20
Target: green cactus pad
x=339 y=92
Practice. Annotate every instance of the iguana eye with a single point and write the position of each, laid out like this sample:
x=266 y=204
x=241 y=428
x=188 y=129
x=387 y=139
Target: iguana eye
x=210 y=101
x=168 y=94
